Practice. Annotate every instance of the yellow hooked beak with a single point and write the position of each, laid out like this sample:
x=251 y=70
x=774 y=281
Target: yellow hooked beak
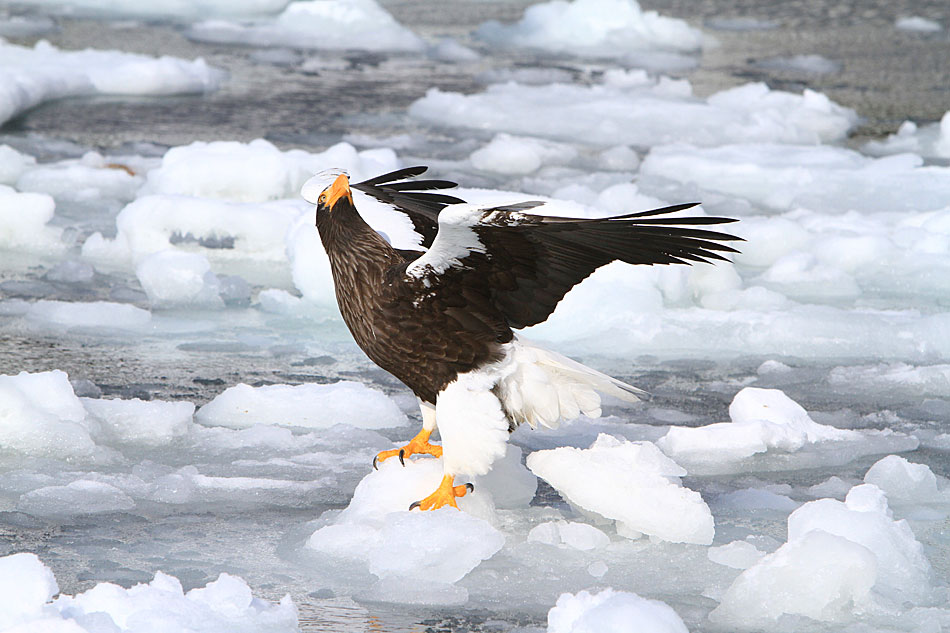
x=339 y=189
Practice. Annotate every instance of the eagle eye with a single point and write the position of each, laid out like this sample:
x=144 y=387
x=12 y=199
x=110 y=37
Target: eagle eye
x=322 y=199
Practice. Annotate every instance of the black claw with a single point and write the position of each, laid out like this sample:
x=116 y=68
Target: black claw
x=375 y=460
x=414 y=505
x=401 y=455
x=471 y=487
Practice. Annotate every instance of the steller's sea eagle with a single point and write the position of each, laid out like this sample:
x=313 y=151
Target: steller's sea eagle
x=441 y=320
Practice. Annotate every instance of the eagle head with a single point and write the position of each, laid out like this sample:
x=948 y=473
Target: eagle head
x=330 y=197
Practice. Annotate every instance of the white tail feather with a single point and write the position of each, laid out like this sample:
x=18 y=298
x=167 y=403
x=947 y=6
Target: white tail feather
x=545 y=387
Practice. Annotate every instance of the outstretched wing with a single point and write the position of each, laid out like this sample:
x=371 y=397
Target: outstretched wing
x=414 y=198
x=524 y=263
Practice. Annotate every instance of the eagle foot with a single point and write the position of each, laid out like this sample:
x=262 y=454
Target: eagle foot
x=444 y=495
x=417 y=445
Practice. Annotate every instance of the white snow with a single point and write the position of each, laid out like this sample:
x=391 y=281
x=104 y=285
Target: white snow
x=631 y=108
x=416 y=555
x=172 y=278
x=308 y=406
x=918 y=24
x=598 y=28
x=630 y=482
x=761 y=420
x=44 y=72
x=614 y=611
x=317 y=24
x=27 y=587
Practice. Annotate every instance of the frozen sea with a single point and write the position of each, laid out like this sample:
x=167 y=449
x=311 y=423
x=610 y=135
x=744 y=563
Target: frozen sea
x=187 y=429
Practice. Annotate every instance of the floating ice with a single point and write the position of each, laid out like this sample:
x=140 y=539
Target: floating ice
x=762 y=419
x=309 y=406
x=737 y=554
x=631 y=482
x=145 y=423
x=89 y=178
x=577 y=535
x=318 y=24
x=434 y=548
x=819 y=575
x=614 y=611
x=508 y=154
x=106 y=315
x=826 y=178
x=24 y=221
x=599 y=28
x=916 y=380
x=174 y=278
x=929 y=141
x=633 y=109
x=904 y=482
x=225 y=605
x=918 y=24
x=256 y=171
x=40 y=416
x=81 y=497
x=808 y=64
x=41 y=73
x=13 y=164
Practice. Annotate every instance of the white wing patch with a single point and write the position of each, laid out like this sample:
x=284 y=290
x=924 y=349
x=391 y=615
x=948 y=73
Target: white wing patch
x=455 y=240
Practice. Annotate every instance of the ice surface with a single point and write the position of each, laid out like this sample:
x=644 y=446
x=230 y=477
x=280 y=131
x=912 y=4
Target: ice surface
x=24 y=221
x=318 y=24
x=737 y=554
x=614 y=611
x=89 y=178
x=918 y=24
x=308 y=406
x=77 y=498
x=175 y=278
x=762 y=419
x=508 y=154
x=175 y=9
x=930 y=141
x=108 y=315
x=577 y=535
x=44 y=72
x=224 y=605
x=13 y=164
x=599 y=28
x=809 y=64
x=631 y=482
x=434 y=549
x=147 y=423
x=629 y=107
x=905 y=482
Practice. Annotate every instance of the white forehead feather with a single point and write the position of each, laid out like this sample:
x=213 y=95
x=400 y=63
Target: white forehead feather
x=315 y=185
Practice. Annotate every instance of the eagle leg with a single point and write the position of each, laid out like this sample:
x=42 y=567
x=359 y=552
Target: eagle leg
x=417 y=445
x=444 y=495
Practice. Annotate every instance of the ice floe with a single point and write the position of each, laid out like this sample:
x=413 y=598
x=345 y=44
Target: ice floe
x=307 y=406
x=610 y=610
x=168 y=9
x=598 y=28
x=917 y=24
x=223 y=605
x=317 y=24
x=631 y=108
x=930 y=141
x=44 y=72
x=630 y=482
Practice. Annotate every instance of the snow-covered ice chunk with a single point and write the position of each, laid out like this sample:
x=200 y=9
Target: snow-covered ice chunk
x=89 y=178
x=819 y=575
x=309 y=405
x=436 y=548
x=781 y=177
x=80 y=497
x=577 y=535
x=38 y=74
x=256 y=171
x=176 y=278
x=631 y=482
x=905 y=482
x=24 y=219
x=26 y=585
x=613 y=611
x=762 y=419
x=808 y=64
x=40 y=416
x=737 y=554
x=145 y=423
x=13 y=164
x=100 y=314
x=865 y=518
x=632 y=109
x=508 y=154
x=225 y=605
x=601 y=28
x=918 y=24
x=170 y=9
x=317 y=24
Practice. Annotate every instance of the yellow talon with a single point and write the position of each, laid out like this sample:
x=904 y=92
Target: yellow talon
x=444 y=495
x=417 y=445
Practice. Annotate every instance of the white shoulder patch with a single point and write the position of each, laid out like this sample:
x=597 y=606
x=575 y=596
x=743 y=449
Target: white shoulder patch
x=455 y=240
